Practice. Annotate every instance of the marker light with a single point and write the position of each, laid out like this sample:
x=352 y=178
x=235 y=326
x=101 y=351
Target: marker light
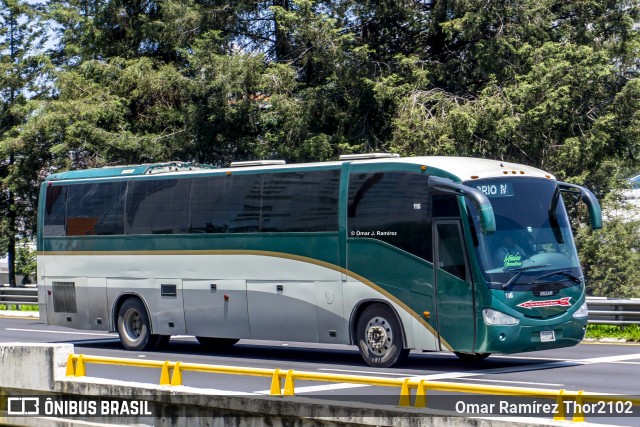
x=583 y=311
x=495 y=317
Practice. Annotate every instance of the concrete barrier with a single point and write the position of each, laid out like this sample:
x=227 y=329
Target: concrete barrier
x=39 y=370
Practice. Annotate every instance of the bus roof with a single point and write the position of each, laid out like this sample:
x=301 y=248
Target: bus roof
x=464 y=168
x=127 y=170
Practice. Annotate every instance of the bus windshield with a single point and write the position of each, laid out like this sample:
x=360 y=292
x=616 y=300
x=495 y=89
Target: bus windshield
x=533 y=243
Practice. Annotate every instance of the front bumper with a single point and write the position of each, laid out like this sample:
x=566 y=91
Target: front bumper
x=527 y=337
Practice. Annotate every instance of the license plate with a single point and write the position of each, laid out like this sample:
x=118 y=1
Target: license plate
x=547 y=336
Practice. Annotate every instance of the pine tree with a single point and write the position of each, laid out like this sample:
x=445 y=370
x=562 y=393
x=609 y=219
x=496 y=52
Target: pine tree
x=21 y=37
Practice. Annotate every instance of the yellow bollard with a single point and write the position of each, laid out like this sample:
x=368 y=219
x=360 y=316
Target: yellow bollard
x=560 y=415
x=276 y=389
x=176 y=378
x=81 y=370
x=71 y=369
x=289 y=384
x=164 y=375
x=405 y=394
x=421 y=395
x=578 y=415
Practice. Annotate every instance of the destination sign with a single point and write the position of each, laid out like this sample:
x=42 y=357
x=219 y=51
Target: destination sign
x=499 y=189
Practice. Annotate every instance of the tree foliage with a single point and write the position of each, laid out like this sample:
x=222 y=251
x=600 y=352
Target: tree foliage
x=21 y=70
x=546 y=83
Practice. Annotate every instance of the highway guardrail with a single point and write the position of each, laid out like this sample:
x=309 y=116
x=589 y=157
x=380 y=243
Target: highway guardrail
x=614 y=311
x=18 y=296
x=76 y=366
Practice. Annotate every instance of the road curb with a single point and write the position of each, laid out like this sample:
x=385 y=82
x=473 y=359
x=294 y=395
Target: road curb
x=20 y=314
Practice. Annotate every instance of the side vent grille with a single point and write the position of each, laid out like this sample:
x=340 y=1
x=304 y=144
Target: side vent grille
x=64 y=297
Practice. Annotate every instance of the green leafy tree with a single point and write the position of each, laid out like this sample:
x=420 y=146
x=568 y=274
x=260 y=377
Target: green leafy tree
x=26 y=262
x=516 y=82
x=546 y=83
x=121 y=111
x=616 y=256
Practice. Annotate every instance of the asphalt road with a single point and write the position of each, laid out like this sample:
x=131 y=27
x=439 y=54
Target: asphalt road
x=602 y=368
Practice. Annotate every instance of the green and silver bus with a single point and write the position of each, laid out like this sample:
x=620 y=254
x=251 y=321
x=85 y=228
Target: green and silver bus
x=386 y=253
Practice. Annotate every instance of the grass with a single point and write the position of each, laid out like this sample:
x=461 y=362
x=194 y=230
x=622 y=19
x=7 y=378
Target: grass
x=628 y=333
x=23 y=307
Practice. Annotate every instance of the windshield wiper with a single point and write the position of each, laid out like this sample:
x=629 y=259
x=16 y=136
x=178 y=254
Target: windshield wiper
x=566 y=273
x=521 y=270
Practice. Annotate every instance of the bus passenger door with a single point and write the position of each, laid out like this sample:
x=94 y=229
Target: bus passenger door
x=454 y=287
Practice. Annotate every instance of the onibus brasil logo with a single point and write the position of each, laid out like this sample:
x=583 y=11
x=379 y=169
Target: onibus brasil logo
x=546 y=303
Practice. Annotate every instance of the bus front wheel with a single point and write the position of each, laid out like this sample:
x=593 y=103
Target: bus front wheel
x=134 y=327
x=379 y=337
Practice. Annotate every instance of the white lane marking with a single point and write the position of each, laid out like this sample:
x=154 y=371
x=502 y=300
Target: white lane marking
x=103 y=334
x=314 y=388
x=511 y=382
x=508 y=356
x=465 y=375
x=526 y=368
x=351 y=371
x=340 y=386
x=609 y=359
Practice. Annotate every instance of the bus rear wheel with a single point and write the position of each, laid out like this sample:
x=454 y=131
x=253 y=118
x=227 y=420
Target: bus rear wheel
x=134 y=327
x=379 y=337
x=216 y=343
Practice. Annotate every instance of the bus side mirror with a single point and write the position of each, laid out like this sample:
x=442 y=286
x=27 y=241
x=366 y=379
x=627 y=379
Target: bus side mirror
x=477 y=197
x=595 y=212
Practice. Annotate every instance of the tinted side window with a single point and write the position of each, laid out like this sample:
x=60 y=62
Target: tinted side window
x=55 y=210
x=95 y=209
x=158 y=206
x=393 y=207
x=226 y=204
x=300 y=201
x=445 y=206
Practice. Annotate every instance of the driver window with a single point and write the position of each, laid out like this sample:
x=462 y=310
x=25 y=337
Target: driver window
x=451 y=250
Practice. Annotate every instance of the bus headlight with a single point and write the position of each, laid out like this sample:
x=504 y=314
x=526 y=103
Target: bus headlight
x=583 y=311
x=495 y=317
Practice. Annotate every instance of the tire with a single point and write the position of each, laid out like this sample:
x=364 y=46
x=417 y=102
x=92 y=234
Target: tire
x=216 y=343
x=379 y=337
x=134 y=327
x=471 y=357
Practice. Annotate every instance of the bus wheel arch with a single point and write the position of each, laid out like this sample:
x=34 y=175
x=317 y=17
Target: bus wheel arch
x=377 y=331
x=133 y=324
